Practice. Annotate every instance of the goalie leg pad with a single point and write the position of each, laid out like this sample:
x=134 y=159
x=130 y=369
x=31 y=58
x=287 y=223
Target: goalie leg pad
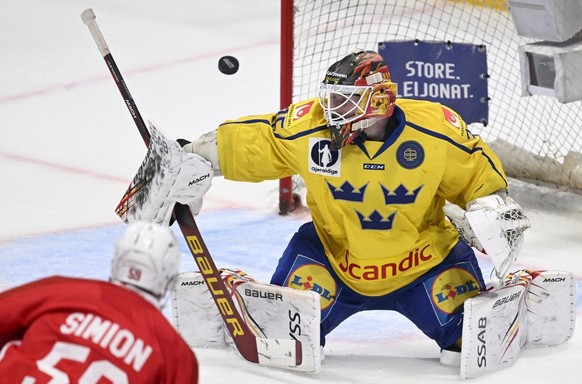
x=194 y=312
x=533 y=309
x=276 y=315
x=494 y=330
x=551 y=307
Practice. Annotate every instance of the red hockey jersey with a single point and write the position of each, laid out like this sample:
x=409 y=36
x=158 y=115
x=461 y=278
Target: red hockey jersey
x=88 y=331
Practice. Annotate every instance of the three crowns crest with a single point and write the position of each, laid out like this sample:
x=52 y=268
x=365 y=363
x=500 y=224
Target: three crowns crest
x=376 y=220
x=400 y=195
x=347 y=192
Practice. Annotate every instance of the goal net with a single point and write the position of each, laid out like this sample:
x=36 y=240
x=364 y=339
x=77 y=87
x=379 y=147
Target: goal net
x=536 y=137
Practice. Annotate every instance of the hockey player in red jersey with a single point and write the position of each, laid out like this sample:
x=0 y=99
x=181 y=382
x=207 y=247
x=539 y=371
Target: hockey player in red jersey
x=61 y=329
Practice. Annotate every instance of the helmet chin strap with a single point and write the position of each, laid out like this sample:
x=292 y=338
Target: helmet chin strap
x=363 y=124
x=359 y=127
x=377 y=130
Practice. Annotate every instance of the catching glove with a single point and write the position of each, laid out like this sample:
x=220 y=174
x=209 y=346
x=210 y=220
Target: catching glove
x=494 y=225
x=168 y=175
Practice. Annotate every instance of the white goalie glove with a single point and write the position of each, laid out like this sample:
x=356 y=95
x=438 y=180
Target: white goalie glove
x=168 y=175
x=493 y=225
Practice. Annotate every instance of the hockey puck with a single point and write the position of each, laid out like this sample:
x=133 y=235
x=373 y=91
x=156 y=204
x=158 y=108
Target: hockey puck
x=228 y=65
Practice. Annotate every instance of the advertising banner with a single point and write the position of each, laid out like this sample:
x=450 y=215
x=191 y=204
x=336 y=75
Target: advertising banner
x=449 y=73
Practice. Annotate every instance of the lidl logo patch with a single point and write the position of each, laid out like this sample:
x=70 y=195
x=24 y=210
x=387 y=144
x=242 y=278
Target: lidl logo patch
x=449 y=290
x=309 y=275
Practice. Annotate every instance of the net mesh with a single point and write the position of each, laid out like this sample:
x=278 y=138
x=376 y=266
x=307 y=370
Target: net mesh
x=536 y=137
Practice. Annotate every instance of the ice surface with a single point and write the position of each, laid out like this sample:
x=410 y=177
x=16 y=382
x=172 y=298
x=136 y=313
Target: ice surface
x=68 y=150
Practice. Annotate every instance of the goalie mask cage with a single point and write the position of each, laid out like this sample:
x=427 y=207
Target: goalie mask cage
x=536 y=137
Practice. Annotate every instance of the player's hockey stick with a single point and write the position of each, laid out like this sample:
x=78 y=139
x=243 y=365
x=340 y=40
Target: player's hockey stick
x=275 y=352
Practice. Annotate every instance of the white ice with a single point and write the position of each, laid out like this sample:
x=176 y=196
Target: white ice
x=68 y=149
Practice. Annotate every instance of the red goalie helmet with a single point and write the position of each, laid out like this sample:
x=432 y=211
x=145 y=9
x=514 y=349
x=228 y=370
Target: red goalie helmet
x=356 y=91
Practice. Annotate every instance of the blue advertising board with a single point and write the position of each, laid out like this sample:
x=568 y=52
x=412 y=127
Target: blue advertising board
x=449 y=73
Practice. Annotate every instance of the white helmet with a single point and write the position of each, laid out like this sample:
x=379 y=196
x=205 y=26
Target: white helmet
x=147 y=256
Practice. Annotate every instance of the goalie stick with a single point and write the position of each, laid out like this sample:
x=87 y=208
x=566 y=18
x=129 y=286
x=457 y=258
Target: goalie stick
x=275 y=352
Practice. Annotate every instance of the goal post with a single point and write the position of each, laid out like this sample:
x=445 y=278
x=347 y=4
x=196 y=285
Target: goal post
x=286 y=95
x=536 y=137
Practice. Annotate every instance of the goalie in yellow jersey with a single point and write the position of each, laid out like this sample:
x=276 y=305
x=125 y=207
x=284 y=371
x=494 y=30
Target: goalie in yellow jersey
x=378 y=172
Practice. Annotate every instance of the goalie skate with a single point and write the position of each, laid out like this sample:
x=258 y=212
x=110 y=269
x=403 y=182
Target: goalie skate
x=275 y=314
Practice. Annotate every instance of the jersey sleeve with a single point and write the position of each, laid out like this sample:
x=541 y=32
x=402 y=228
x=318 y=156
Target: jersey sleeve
x=19 y=307
x=264 y=147
x=473 y=170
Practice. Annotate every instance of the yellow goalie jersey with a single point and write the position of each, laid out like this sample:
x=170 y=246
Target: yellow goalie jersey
x=376 y=206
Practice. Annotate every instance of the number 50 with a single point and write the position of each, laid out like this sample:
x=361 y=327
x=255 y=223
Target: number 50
x=67 y=351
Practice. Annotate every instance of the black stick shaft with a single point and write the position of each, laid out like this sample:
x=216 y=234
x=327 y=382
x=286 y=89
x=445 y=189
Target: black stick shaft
x=243 y=338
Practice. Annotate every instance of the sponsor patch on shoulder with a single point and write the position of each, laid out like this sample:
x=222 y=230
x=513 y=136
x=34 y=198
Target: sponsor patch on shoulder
x=454 y=121
x=299 y=111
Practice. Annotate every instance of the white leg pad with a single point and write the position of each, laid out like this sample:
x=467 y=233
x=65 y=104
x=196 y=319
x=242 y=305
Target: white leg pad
x=194 y=312
x=534 y=309
x=494 y=330
x=276 y=315
x=551 y=306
